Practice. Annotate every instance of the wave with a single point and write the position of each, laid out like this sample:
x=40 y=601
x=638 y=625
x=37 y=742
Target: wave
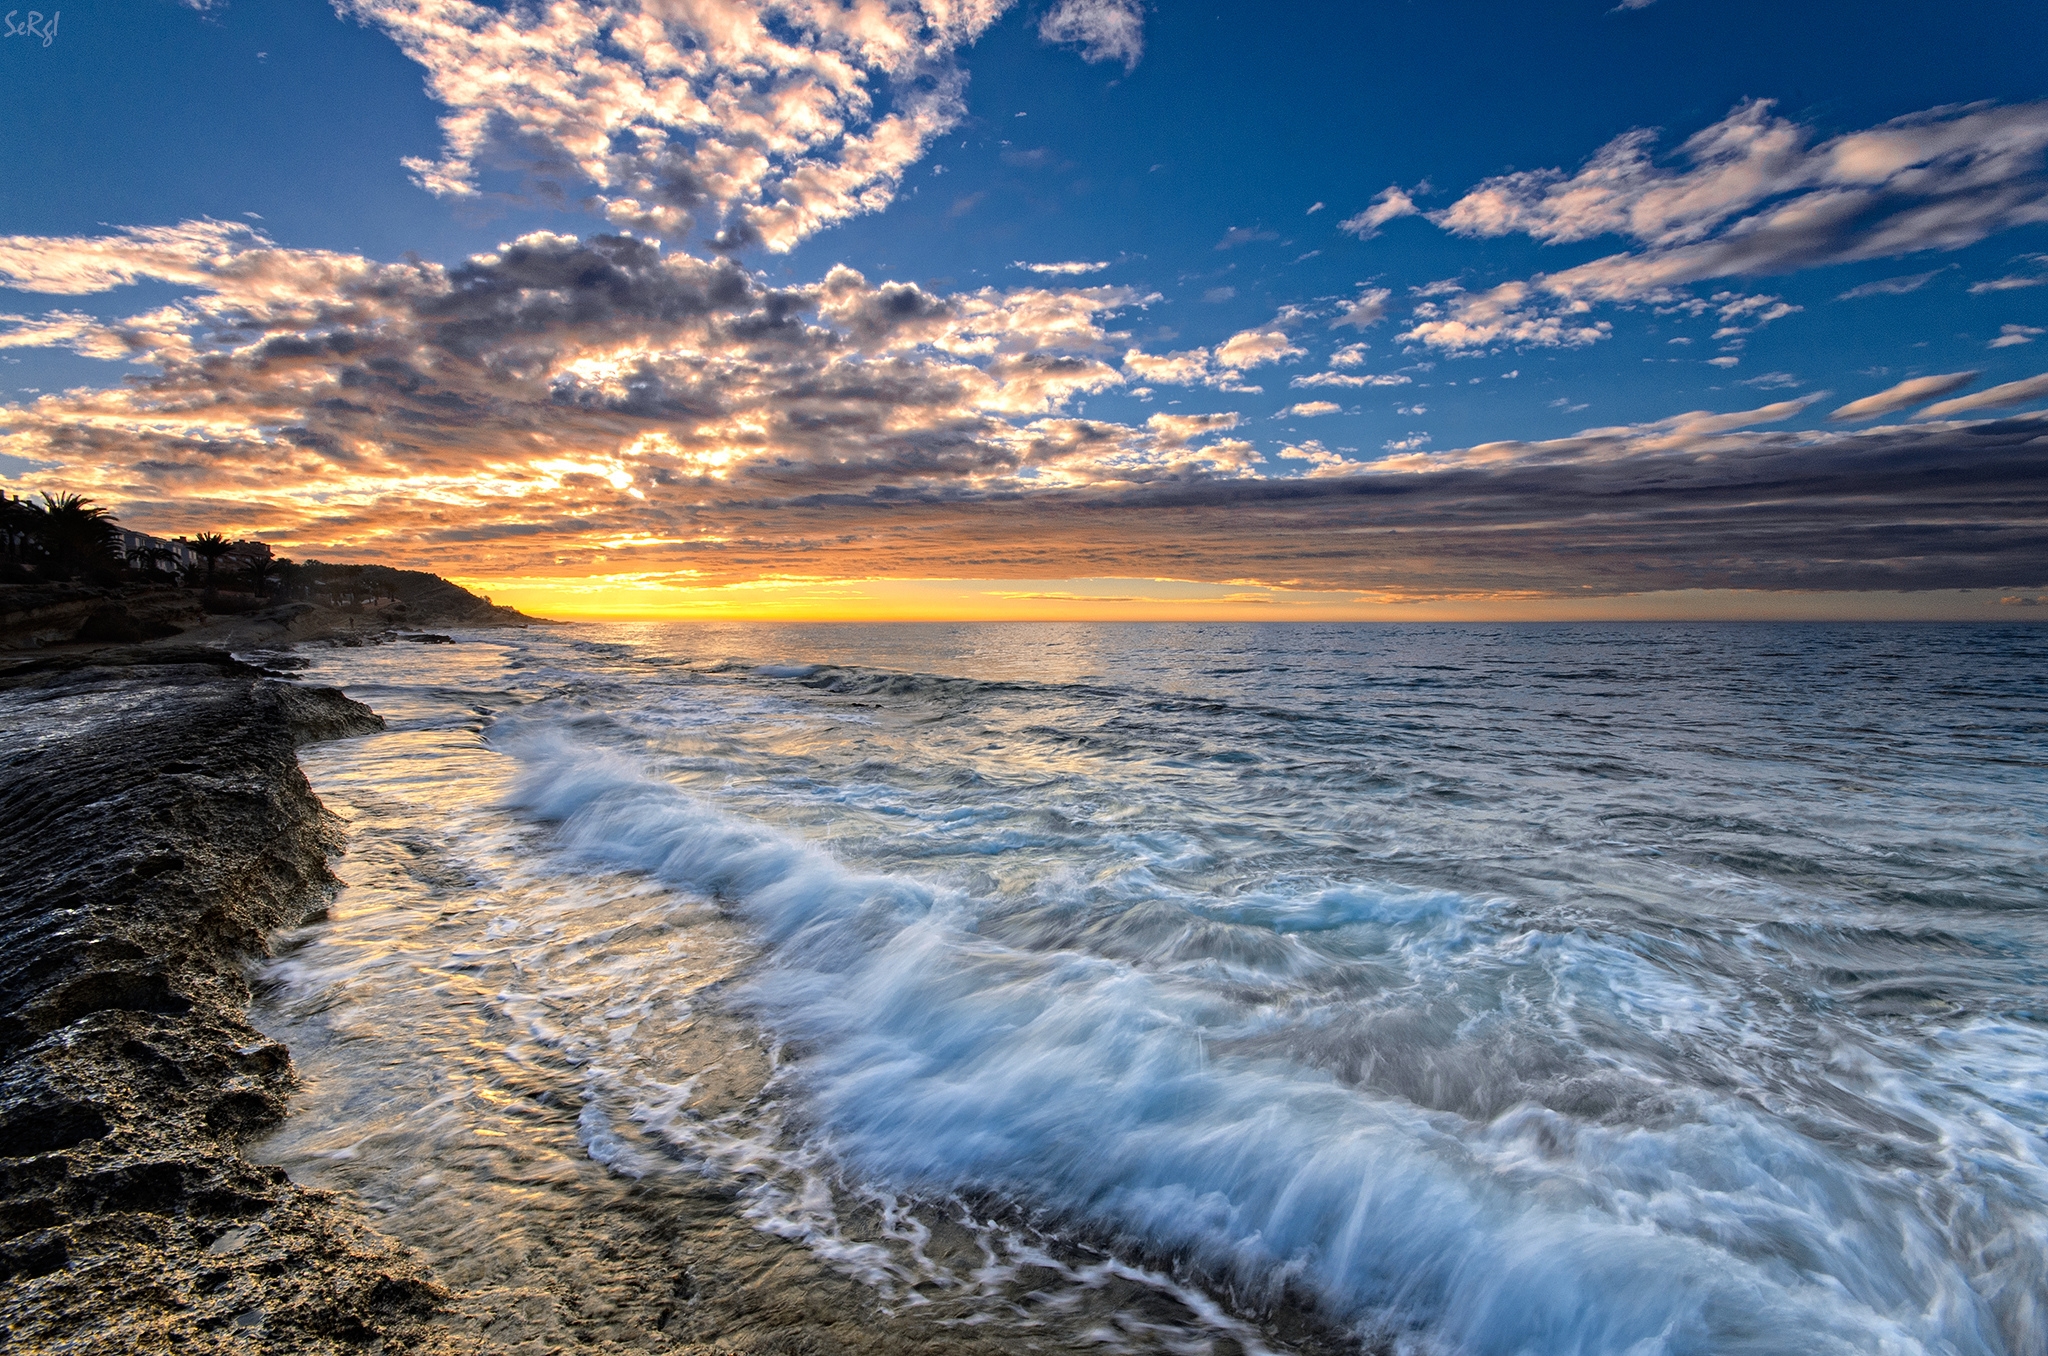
x=938 y=1056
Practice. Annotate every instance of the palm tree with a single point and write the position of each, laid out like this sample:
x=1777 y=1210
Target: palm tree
x=260 y=568
x=74 y=532
x=210 y=547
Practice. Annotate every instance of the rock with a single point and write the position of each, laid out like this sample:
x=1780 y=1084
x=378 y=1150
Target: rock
x=155 y=830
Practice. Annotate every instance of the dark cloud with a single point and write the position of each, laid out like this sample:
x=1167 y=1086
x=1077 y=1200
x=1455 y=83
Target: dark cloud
x=561 y=402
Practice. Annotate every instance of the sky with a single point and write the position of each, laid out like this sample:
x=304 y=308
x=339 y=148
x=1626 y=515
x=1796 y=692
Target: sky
x=1066 y=308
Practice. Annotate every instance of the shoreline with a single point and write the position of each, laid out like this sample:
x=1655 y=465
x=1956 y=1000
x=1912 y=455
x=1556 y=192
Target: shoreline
x=158 y=831
x=160 y=836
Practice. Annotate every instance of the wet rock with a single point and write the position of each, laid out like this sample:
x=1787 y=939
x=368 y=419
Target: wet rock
x=154 y=831
x=42 y=1127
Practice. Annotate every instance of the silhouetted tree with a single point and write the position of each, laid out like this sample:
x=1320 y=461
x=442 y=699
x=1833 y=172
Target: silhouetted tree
x=209 y=547
x=75 y=533
x=260 y=568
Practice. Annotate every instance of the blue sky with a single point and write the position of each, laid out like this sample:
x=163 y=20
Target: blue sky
x=1591 y=221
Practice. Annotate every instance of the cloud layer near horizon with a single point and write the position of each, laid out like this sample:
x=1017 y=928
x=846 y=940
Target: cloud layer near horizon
x=566 y=406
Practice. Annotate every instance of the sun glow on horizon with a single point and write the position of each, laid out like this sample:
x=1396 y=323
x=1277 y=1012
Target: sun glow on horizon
x=674 y=596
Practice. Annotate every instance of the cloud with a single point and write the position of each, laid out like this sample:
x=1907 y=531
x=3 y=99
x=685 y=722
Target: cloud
x=1771 y=381
x=2010 y=335
x=1392 y=202
x=1061 y=270
x=2014 y=282
x=1752 y=195
x=1104 y=30
x=1310 y=409
x=1351 y=379
x=569 y=406
x=1324 y=463
x=1368 y=310
x=1254 y=348
x=1185 y=368
x=1244 y=235
x=1910 y=392
x=1892 y=287
x=1315 y=209
x=1510 y=314
x=1222 y=368
x=764 y=122
x=1992 y=398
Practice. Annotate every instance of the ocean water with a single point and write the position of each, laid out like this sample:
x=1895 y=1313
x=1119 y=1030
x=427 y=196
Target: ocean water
x=1460 y=989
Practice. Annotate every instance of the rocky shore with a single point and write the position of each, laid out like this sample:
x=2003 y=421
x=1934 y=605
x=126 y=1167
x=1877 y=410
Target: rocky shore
x=155 y=829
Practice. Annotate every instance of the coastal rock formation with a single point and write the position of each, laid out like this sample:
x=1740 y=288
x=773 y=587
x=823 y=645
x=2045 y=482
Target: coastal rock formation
x=52 y=614
x=39 y=615
x=154 y=830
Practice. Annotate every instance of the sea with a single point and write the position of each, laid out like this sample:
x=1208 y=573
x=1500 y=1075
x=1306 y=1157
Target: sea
x=1567 y=988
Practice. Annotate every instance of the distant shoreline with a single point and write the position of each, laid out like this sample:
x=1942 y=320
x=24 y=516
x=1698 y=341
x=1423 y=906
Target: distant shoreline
x=43 y=616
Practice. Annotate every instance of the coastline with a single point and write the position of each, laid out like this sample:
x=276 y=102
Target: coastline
x=157 y=835
x=157 y=831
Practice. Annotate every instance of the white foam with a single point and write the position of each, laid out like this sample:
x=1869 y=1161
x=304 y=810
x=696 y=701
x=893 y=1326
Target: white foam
x=939 y=1059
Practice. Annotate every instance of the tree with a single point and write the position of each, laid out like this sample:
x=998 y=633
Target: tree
x=75 y=533
x=260 y=568
x=209 y=547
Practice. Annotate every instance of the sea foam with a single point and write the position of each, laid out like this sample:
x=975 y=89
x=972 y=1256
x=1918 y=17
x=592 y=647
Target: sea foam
x=1142 y=1103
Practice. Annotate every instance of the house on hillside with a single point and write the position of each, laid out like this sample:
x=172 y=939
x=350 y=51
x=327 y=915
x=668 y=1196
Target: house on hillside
x=161 y=553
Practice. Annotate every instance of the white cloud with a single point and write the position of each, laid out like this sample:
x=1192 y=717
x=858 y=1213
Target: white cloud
x=2009 y=283
x=1310 y=409
x=1892 y=287
x=2009 y=335
x=1255 y=348
x=1322 y=461
x=1725 y=360
x=1910 y=392
x=1368 y=310
x=1992 y=398
x=1751 y=195
x=1940 y=179
x=1104 y=30
x=1064 y=269
x=1351 y=355
x=1511 y=314
x=1391 y=203
x=1222 y=367
x=2014 y=282
x=1315 y=209
x=1245 y=235
x=762 y=117
x=1171 y=369
x=1350 y=379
